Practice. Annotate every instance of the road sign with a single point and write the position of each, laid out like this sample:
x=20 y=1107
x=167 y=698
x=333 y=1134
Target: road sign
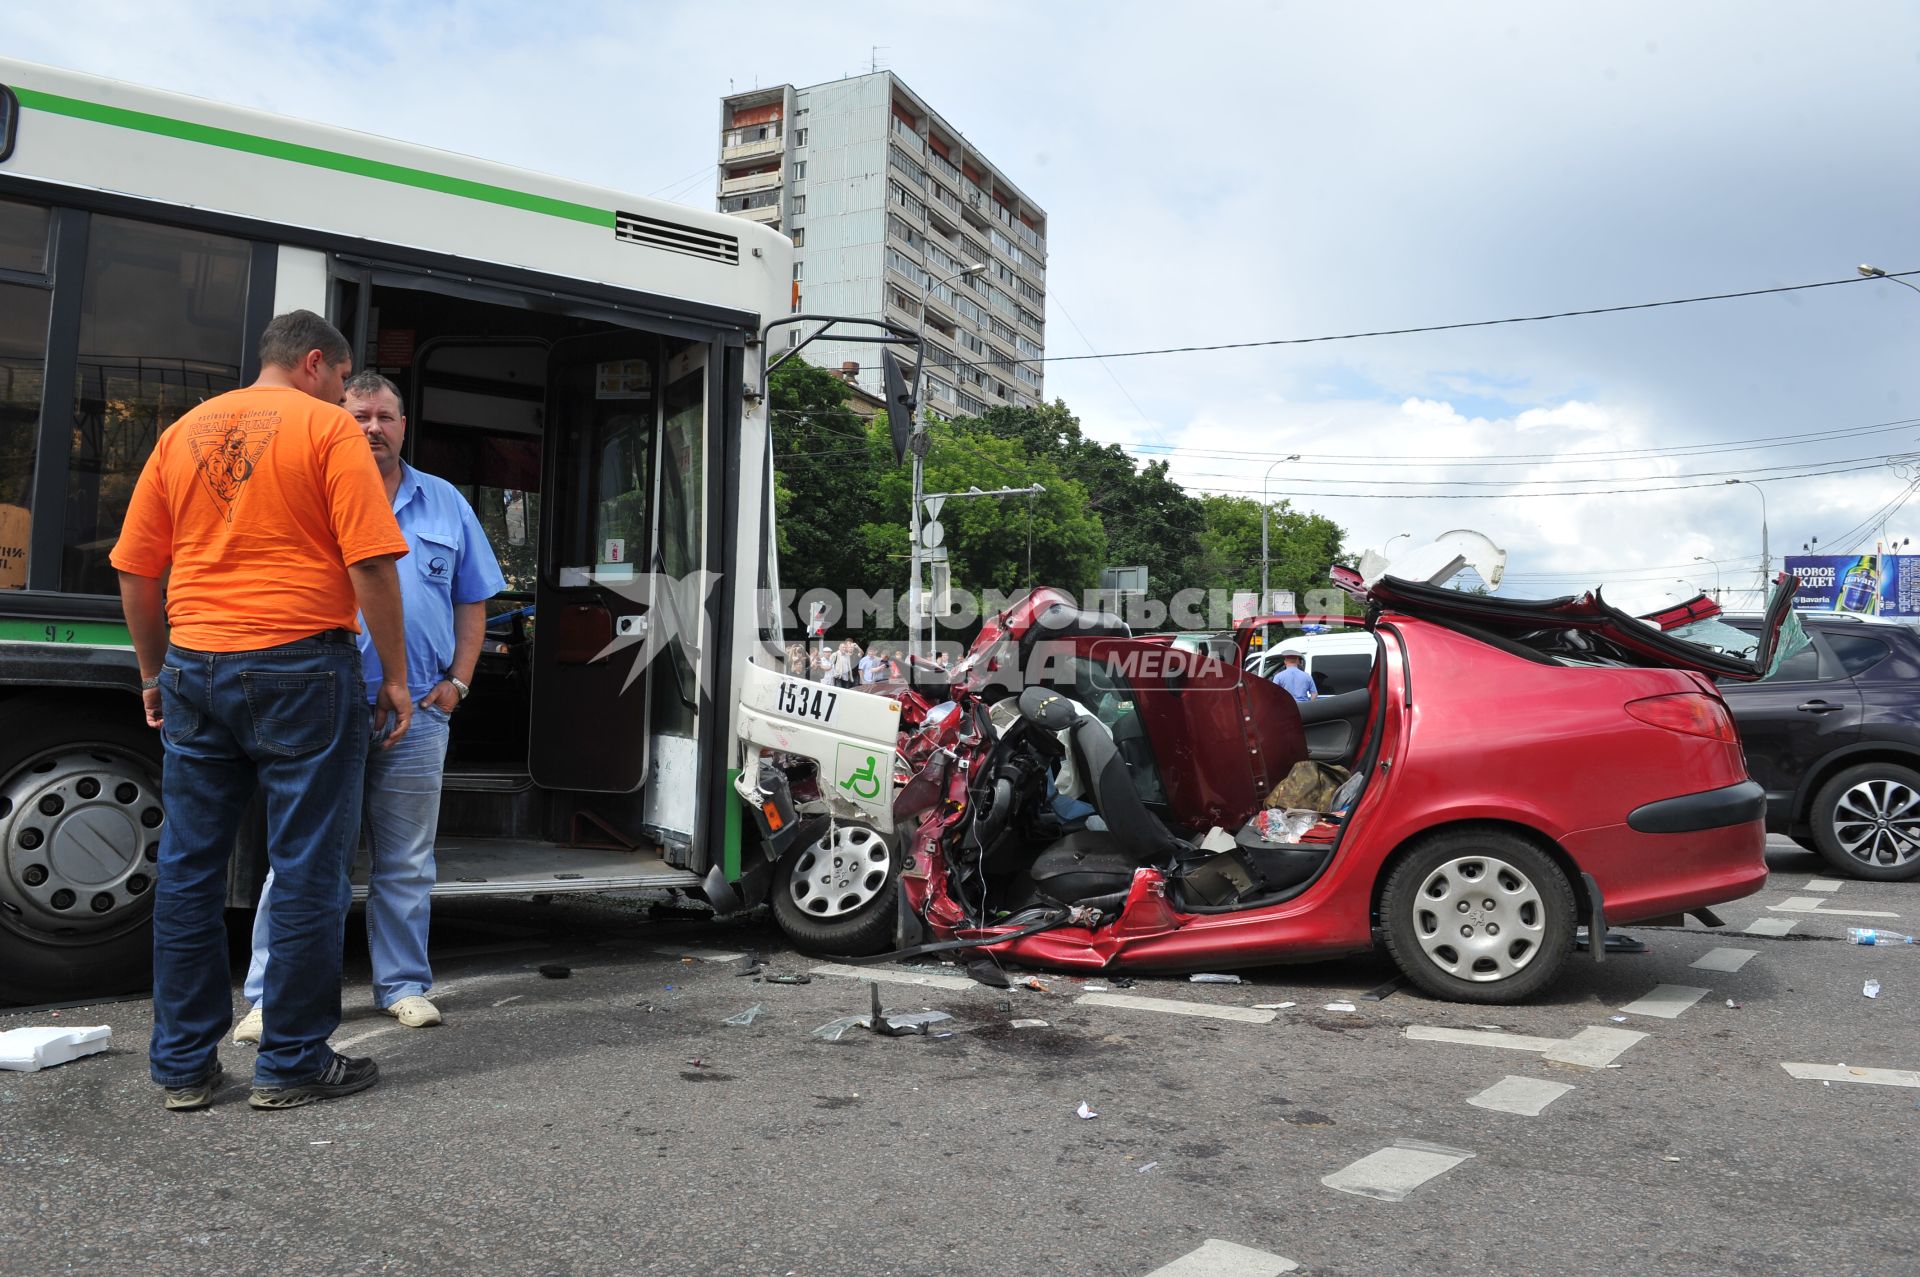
x=932 y=534
x=932 y=506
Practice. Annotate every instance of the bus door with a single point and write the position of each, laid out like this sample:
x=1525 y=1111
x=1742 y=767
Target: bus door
x=593 y=599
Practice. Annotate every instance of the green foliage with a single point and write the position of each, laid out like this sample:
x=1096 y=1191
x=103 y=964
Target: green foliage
x=842 y=504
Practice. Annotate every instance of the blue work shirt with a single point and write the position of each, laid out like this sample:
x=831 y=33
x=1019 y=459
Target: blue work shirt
x=1297 y=681
x=449 y=562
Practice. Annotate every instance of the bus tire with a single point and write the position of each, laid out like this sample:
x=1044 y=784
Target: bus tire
x=80 y=821
x=834 y=891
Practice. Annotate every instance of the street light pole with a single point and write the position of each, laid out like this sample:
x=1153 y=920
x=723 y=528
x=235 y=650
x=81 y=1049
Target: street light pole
x=1874 y=272
x=917 y=445
x=1766 y=556
x=1701 y=558
x=1260 y=609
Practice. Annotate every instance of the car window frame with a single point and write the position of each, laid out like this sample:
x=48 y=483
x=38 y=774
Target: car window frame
x=1830 y=670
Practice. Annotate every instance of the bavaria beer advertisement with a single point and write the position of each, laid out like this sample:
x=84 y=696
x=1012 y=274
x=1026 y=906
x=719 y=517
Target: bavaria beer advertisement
x=1867 y=584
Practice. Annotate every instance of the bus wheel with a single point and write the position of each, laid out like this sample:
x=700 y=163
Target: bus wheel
x=80 y=821
x=834 y=890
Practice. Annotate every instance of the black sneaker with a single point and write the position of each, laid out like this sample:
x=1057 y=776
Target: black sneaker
x=343 y=1076
x=195 y=1095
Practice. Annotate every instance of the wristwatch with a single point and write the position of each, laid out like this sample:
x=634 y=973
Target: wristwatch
x=148 y=684
x=459 y=687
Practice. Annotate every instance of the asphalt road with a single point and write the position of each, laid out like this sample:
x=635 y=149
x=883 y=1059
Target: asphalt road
x=612 y=1123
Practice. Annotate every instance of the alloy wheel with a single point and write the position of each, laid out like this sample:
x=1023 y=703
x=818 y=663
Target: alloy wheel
x=1877 y=822
x=1479 y=918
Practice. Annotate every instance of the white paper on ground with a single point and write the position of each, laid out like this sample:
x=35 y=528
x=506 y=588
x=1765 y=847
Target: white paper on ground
x=31 y=1049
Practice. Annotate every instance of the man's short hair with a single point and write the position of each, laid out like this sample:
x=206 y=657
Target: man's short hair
x=289 y=337
x=368 y=383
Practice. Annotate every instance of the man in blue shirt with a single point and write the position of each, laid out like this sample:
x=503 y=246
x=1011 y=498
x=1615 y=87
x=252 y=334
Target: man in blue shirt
x=1291 y=676
x=446 y=579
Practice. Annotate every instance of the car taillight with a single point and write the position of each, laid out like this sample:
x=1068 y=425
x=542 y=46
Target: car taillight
x=1694 y=713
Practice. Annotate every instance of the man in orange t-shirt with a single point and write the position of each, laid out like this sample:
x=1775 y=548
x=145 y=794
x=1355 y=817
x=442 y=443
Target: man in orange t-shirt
x=264 y=512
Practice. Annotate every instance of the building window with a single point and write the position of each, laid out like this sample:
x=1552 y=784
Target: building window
x=796 y=271
x=799 y=170
x=799 y=137
x=799 y=236
x=799 y=205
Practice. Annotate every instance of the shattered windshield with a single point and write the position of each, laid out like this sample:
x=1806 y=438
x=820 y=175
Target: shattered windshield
x=1717 y=636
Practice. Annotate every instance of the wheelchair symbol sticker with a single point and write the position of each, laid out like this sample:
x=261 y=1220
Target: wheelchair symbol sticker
x=857 y=772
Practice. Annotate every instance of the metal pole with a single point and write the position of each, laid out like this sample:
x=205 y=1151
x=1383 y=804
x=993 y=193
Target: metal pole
x=1766 y=555
x=1260 y=608
x=918 y=447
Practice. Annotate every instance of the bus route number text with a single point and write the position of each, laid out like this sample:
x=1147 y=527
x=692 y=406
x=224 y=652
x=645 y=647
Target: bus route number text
x=802 y=701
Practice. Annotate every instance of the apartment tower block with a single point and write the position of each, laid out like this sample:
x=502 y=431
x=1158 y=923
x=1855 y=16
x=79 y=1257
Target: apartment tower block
x=883 y=198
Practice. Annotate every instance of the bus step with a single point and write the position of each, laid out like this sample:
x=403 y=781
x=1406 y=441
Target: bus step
x=503 y=867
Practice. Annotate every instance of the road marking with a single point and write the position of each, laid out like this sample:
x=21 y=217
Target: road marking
x=1216 y=1258
x=1393 y=1172
x=1483 y=1037
x=515 y=998
x=1666 y=1001
x=1725 y=959
x=1841 y=1073
x=1822 y=884
x=358 y=1038
x=1594 y=1047
x=1523 y=1095
x=704 y=955
x=1811 y=904
x=1771 y=926
x=885 y=976
x=1176 y=1006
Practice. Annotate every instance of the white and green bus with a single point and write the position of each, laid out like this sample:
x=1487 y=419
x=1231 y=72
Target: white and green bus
x=583 y=365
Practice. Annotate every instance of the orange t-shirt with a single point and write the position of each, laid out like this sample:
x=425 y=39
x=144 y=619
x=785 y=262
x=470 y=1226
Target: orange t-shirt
x=258 y=500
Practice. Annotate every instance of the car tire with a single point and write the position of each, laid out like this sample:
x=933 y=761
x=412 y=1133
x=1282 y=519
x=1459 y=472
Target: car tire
x=80 y=821
x=1442 y=934
x=1805 y=842
x=836 y=890
x=1845 y=818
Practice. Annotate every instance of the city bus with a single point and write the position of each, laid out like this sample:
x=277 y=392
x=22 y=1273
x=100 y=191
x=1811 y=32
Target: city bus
x=583 y=365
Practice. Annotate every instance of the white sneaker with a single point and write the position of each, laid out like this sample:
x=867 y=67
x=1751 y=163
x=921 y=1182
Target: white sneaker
x=415 y=1012
x=249 y=1028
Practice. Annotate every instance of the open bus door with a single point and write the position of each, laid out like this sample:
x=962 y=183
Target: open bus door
x=589 y=721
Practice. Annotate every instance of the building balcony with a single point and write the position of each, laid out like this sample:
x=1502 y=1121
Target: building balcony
x=766 y=214
x=752 y=150
x=751 y=182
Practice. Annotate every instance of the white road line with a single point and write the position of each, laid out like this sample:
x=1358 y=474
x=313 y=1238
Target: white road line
x=1811 y=904
x=1666 y=1001
x=1594 y=1047
x=1822 y=884
x=1771 y=926
x=1483 y=1037
x=1176 y=1006
x=1523 y=1095
x=1216 y=1258
x=358 y=1038
x=1841 y=1073
x=1725 y=959
x=884 y=976
x=704 y=955
x=1393 y=1172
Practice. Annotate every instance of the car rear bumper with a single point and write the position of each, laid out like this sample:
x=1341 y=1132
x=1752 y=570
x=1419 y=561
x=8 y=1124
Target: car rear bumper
x=1711 y=809
x=1644 y=875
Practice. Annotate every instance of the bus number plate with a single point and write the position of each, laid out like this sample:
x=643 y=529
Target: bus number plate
x=801 y=701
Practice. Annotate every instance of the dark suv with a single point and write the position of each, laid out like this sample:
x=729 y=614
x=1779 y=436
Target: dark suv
x=1834 y=737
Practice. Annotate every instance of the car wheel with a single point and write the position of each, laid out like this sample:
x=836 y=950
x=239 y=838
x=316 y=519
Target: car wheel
x=1478 y=916
x=80 y=822
x=1866 y=822
x=835 y=891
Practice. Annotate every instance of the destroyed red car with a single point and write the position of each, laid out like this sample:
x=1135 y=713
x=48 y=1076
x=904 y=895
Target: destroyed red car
x=1081 y=798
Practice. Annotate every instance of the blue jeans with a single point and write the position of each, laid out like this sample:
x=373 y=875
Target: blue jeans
x=292 y=721
x=402 y=811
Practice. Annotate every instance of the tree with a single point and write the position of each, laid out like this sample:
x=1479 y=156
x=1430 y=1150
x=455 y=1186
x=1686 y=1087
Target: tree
x=1300 y=546
x=828 y=460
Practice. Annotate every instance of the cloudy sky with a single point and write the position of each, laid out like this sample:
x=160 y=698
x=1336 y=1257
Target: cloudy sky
x=1238 y=172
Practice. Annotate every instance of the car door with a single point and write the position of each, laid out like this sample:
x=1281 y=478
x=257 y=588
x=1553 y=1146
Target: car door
x=1790 y=721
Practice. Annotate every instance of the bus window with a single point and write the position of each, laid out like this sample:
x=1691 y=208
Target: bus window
x=23 y=237
x=162 y=314
x=23 y=363
x=682 y=440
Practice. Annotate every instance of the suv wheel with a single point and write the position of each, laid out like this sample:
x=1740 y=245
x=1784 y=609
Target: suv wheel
x=1866 y=822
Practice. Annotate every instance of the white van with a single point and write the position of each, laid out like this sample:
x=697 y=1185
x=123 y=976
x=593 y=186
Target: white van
x=1336 y=662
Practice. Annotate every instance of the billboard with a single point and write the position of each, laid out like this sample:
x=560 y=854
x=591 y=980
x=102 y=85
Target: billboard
x=1868 y=584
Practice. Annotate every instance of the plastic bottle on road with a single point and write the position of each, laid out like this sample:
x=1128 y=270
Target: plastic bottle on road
x=1873 y=935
